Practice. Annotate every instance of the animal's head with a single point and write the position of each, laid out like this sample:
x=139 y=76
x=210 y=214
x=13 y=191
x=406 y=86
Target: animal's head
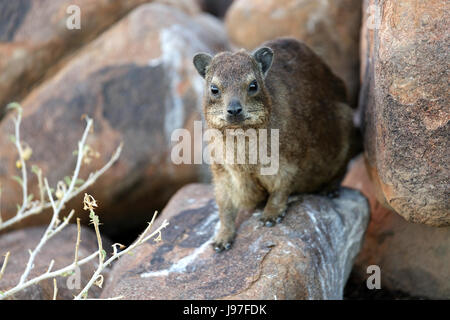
x=235 y=95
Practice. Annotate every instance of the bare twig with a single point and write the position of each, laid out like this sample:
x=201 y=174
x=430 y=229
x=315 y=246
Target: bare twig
x=21 y=160
x=47 y=275
x=31 y=208
x=142 y=238
x=83 y=294
x=5 y=262
x=77 y=245
x=63 y=194
x=27 y=209
x=55 y=289
x=52 y=228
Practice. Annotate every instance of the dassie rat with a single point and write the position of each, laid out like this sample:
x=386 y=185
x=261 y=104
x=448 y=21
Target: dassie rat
x=282 y=85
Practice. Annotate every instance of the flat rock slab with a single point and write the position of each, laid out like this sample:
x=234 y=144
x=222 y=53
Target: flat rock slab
x=308 y=256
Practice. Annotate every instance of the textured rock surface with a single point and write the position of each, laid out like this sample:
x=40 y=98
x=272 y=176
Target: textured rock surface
x=308 y=256
x=138 y=82
x=413 y=258
x=405 y=106
x=331 y=28
x=61 y=248
x=34 y=37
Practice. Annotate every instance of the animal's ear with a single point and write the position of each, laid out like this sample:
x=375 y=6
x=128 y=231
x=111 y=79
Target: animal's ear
x=201 y=63
x=264 y=57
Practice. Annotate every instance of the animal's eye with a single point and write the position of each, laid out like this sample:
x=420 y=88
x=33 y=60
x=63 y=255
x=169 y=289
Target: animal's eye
x=214 y=89
x=253 y=87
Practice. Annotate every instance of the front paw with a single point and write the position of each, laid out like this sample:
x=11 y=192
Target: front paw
x=223 y=241
x=221 y=246
x=271 y=220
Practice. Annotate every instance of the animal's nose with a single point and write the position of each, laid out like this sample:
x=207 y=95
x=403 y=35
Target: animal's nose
x=234 y=108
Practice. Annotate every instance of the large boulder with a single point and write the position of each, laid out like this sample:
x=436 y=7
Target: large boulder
x=34 y=37
x=138 y=83
x=61 y=249
x=308 y=256
x=414 y=259
x=404 y=101
x=331 y=28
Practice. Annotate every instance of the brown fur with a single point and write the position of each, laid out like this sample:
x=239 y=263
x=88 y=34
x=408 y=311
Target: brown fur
x=302 y=98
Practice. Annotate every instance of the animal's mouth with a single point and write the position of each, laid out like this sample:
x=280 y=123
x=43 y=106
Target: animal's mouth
x=234 y=122
x=236 y=119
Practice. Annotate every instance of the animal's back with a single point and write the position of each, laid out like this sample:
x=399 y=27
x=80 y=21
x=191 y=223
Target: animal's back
x=310 y=108
x=299 y=69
